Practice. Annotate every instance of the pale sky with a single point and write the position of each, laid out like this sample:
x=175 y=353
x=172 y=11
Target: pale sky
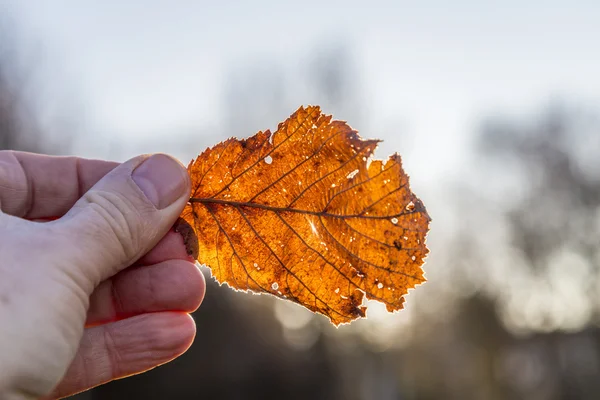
x=148 y=69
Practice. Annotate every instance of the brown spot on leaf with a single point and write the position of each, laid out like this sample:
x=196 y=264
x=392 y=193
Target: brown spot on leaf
x=189 y=237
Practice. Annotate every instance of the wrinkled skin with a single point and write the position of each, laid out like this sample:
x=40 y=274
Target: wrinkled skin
x=94 y=283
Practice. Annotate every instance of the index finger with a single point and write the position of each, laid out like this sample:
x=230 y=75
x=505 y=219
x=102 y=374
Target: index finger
x=39 y=186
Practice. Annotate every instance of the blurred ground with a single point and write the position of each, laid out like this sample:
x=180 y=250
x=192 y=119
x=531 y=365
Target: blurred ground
x=496 y=113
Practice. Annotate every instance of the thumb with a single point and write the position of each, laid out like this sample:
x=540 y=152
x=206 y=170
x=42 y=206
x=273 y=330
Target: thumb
x=124 y=215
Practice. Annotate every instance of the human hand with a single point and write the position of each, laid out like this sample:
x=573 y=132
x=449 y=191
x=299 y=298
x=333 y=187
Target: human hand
x=72 y=314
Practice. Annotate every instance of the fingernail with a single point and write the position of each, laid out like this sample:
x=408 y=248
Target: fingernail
x=162 y=179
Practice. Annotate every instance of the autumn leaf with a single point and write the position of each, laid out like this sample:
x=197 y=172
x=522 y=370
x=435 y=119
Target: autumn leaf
x=305 y=215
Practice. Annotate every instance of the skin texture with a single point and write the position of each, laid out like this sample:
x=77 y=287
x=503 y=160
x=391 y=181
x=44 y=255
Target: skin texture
x=94 y=283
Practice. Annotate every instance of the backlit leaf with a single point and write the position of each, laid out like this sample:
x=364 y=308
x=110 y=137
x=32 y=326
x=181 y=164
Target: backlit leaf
x=305 y=215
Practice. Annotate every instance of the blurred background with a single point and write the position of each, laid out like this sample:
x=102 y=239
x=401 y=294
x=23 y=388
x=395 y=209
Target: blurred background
x=495 y=109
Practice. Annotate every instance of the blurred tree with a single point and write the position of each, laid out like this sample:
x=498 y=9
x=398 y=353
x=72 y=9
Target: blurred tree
x=334 y=81
x=257 y=94
x=525 y=259
x=553 y=215
x=19 y=122
x=31 y=119
x=559 y=206
x=17 y=129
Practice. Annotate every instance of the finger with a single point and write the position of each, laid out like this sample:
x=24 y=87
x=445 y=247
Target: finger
x=170 y=247
x=123 y=216
x=126 y=347
x=173 y=285
x=40 y=186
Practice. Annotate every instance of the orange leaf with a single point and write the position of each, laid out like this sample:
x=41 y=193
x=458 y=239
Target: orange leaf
x=302 y=215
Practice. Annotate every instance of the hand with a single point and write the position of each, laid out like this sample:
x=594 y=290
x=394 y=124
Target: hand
x=72 y=314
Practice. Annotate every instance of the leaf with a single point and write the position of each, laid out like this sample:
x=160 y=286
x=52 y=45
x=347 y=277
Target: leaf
x=303 y=215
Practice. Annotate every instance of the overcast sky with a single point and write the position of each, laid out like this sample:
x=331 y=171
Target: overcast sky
x=149 y=68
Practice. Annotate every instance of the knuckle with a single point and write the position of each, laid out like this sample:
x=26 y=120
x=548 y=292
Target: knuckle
x=16 y=194
x=117 y=223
